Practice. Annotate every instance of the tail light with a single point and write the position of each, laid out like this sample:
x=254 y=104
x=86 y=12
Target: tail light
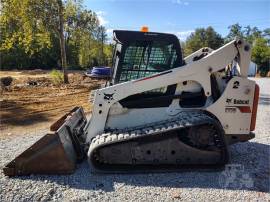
x=254 y=108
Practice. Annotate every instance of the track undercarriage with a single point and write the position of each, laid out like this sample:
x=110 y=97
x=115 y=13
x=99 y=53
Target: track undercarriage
x=191 y=139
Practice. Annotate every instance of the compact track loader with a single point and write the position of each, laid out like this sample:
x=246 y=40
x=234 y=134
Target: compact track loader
x=157 y=112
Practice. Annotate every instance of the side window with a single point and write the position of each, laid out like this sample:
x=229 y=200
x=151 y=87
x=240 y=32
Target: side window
x=162 y=56
x=131 y=62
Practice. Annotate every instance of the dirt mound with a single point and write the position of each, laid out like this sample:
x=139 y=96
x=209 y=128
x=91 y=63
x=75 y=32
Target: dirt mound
x=75 y=78
x=34 y=72
x=40 y=81
x=34 y=99
x=79 y=79
x=36 y=80
x=27 y=82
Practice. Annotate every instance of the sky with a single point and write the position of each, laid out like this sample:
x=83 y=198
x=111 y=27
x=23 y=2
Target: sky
x=180 y=17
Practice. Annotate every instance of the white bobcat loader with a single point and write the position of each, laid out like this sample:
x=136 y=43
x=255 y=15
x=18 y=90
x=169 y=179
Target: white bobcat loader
x=157 y=112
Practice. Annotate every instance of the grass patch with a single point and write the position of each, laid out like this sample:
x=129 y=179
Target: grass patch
x=57 y=77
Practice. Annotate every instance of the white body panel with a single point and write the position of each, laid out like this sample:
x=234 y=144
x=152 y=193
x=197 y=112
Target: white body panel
x=232 y=120
x=139 y=117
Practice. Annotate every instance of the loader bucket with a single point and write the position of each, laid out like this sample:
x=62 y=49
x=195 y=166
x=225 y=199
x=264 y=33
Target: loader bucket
x=56 y=153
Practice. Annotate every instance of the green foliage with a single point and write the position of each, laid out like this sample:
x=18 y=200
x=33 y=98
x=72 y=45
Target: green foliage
x=260 y=41
x=57 y=77
x=203 y=38
x=248 y=33
x=30 y=35
x=235 y=30
x=261 y=55
x=266 y=35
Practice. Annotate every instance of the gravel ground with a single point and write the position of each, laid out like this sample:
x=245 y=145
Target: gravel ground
x=247 y=180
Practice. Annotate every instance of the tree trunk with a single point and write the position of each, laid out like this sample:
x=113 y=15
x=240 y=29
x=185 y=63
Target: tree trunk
x=62 y=41
x=89 y=53
x=102 y=48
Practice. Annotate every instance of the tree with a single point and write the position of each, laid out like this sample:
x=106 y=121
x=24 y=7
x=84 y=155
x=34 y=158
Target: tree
x=260 y=42
x=62 y=39
x=101 y=37
x=38 y=33
x=203 y=38
x=81 y=26
x=250 y=34
x=261 y=55
x=23 y=36
x=235 y=31
x=266 y=35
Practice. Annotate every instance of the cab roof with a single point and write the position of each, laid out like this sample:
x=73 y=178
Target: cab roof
x=124 y=36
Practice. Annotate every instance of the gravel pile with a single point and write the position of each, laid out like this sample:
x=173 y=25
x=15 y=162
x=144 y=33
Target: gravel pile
x=247 y=180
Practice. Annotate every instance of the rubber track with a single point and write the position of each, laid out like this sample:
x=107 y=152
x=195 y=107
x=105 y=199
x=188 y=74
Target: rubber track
x=184 y=120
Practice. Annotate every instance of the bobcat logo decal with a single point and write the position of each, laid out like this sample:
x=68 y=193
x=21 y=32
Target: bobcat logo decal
x=108 y=96
x=229 y=101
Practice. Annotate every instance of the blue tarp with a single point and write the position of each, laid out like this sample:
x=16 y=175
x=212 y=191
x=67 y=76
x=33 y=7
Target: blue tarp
x=99 y=72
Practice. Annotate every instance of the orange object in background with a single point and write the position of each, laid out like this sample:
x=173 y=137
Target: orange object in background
x=144 y=29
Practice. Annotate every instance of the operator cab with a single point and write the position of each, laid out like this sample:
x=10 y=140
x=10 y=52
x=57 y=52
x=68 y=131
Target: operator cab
x=140 y=54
